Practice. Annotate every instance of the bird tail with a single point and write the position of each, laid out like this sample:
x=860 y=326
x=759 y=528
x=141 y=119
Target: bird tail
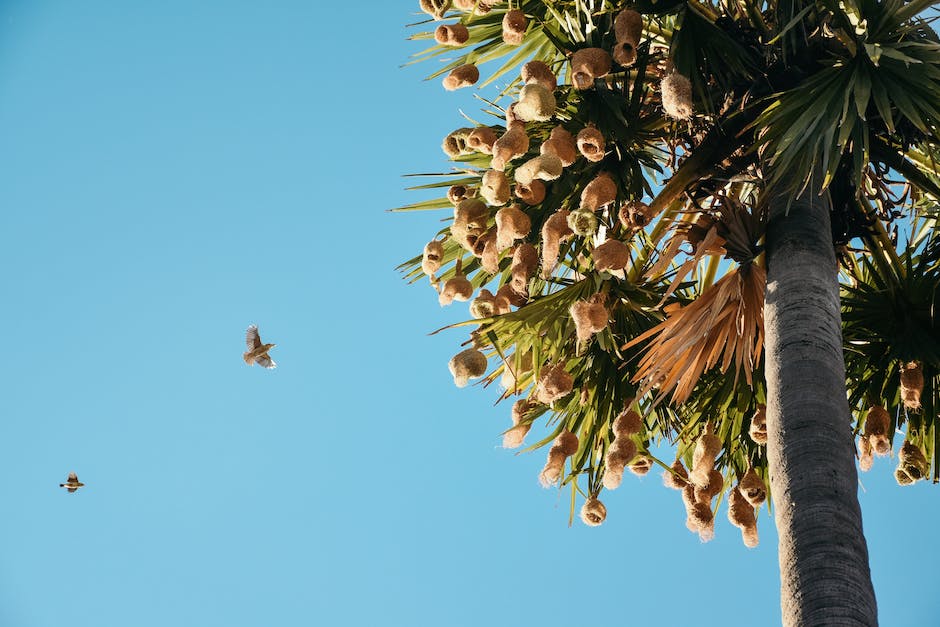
x=247 y=358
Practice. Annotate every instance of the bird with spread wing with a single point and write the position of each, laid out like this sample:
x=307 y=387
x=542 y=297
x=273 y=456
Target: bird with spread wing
x=72 y=483
x=257 y=352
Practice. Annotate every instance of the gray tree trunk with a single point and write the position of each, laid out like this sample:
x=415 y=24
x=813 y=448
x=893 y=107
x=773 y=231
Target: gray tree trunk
x=824 y=573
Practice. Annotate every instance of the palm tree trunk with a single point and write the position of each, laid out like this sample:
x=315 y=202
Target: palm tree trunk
x=824 y=573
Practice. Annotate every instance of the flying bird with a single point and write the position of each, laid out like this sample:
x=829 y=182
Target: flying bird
x=257 y=352
x=72 y=483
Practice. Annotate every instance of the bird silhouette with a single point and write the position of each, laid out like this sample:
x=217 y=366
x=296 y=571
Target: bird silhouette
x=72 y=483
x=257 y=352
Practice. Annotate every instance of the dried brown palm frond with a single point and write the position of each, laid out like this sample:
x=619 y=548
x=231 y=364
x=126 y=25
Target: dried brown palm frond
x=724 y=326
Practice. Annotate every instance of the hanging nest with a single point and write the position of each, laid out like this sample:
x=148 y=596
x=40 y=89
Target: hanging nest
x=641 y=465
x=619 y=454
x=512 y=223
x=432 y=257
x=877 y=423
x=677 y=478
x=554 y=383
x=593 y=512
x=711 y=489
x=561 y=144
x=455 y=288
x=635 y=214
x=564 y=446
x=494 y=188
x=478 y=7
x=758 y=429
x=540 y=73
x=555 y=230
x=456 y=193
x=514 y=437
x=583 y=223
x=455 y=145
x=451 y=34
x=912 y=462
x=599 y=192
x=531 y=194
x=543 y=167
x=741 y=515
x=470 y=218
x=505 y=294
x=525 y=260
x=466 y=365
x=912 y=384
x=628 y=27
x=591 y=143
x=481 y=139
x=865 y=457
x=677 y=96
x=588 y=64
x=752 y=488
x=484 y=305
x=703 y=458
x=612 y=255
x=514 y=25
x=435 y=8
x=536 y=104
x=513 y=144
x=627 y=423
x=590 y=317
x=699 y=516
x=463 y=76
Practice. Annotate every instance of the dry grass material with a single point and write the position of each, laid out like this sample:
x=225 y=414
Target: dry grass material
x=583 y=223
x=514 y=25
x=561 y=144
x=753 y=488
x=525 y=261
x=711 y=489
x=554 y=465
x=703 y=458
x=456 y=193
x=601 y=191
x=912 y=384
x=451 y=34
x=489 y=257
x=619 y=454
x=470 y=218
x=902 y=477
x=481 y=139
x=512 y=223
x=514 y=437
x=865 y=457
x=462 y=76
x=758 y=429
x=593 y=512
x=554 y=383
x=484 y=305
x=627 y=423
x=676 y=92
x=466 y=365
x=455 y=288
x=913 y=462
x=741 y=515
x=628 y=27
x=588 y=64
x=540 y=73
x=494 y=188
x=611 y=256
x=536 y=104
x=590 y=317
x=432 y=257
x=699 y=518
x=641 y=465
x=567 y=442
x=513 y=144
x=613 y=477
x=635 y=214
x=455 y=145
x=678 y=478
x=531 y=194
x=555 y=230
x=434 y=8
x=476 y=6
x=591 y=143
x=542 y=167
x=724 y=326
x=877 y=423
x=511 y=296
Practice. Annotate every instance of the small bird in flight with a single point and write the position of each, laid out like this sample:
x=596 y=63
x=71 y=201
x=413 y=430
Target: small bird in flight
x=72 y=483
x=257 y=352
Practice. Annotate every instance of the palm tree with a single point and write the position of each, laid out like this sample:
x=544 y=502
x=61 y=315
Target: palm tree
x=800 y=140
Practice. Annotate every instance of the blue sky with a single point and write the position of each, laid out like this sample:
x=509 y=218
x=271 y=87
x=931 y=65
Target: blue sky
x=173 y=172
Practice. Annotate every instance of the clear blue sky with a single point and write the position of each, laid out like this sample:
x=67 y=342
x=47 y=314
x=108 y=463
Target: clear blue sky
x=171 y=172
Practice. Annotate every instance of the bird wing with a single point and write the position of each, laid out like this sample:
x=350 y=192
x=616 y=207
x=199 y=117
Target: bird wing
x=73 y=478
x=265 y=360
x=252 y=338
